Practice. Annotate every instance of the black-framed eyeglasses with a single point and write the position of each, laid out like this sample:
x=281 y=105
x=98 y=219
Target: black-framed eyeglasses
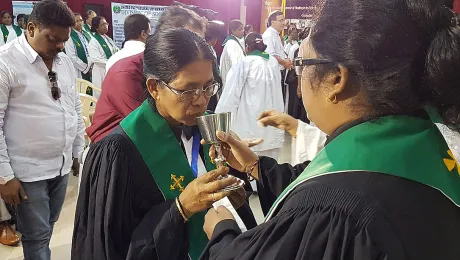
x=55 y=90
x=193 y=94
x=308 y=62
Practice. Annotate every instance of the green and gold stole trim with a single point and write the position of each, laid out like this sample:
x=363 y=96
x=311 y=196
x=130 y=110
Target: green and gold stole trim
x=260 y=54
x=87 y=28
x=5 y=31
x=168 y=164
x=417 y=148
x=81 y=53
x=104 y=45
x=233 y=38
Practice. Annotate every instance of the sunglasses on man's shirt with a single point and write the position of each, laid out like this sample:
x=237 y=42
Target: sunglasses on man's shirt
x=55 y=90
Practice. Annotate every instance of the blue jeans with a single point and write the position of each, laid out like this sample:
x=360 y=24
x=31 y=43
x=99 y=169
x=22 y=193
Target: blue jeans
x=37 y=215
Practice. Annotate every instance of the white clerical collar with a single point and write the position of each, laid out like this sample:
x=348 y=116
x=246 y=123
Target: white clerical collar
x=135 y=44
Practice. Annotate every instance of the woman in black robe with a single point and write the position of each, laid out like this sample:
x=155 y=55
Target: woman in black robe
x=377 y=75
x=146 y=185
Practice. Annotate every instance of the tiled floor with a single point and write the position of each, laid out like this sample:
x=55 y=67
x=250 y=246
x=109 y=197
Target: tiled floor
x=62 y=235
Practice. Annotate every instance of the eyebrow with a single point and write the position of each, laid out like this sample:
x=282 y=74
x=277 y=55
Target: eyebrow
x=196 y=84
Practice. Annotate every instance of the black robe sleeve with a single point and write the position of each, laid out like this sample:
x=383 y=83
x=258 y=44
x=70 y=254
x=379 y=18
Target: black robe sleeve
x=315 y=223
x=274 y=178
x=121 y=213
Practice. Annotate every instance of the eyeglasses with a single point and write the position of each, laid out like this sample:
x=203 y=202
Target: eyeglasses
x=309 y=62
x=55 y=90
x=193 y=95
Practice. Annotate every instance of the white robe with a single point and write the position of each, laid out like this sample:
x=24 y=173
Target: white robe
x=71 y=51
x=98 y=58
x=252 y=87
x=231 y=55
x=11 y=35
x=309 y=141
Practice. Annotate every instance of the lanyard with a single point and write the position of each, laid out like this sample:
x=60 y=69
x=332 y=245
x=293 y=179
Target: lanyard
x=195 y=152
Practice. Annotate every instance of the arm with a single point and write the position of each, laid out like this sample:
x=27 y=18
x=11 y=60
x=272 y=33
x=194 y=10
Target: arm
x=273 y=178
x=96 y=53
x=79 y=142
x=2 y=42
x=72 y=53
x=270 y=42
x=5 y=86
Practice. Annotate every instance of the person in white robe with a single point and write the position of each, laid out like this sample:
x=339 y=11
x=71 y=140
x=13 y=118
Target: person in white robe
x=233 y=51
x=252 y=87
x=8 y=31
x=100 y=48
x=77 y=49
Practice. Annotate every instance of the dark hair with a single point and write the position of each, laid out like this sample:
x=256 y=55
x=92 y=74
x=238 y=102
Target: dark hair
x=213 y=30
x=134 y=25
x=234 y=25
x=401 y=54
x=20 y=16
x=255 y=42
x=176 y=17
x=167 y=52
x=5 y=12
x=96 y=22
x=88 y=13
x=272 y=17
x=52 y=12
x=247 y=28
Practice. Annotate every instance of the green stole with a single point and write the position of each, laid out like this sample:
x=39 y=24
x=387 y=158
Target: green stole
x=6 y=32
x=168 y=165
x=260 y=54
x=418 y=153
x=105 y=47
x=87 y=28
x=230 y=38
x=81 y=53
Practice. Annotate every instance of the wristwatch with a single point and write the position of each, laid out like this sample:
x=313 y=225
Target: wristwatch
x=4 y=180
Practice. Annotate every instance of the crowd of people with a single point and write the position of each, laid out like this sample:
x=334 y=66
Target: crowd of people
x=348 y=132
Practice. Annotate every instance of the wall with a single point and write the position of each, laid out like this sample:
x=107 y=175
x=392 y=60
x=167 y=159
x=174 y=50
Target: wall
x=228 y=9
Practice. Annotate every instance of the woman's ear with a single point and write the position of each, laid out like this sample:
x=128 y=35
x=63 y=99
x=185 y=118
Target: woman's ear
x=152 y=87
x=337 y=82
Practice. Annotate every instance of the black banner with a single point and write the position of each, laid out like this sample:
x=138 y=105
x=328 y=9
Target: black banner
x=300 y=9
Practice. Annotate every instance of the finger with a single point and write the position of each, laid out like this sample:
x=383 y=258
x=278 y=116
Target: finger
x=230 y=140
x=213 y=175
x=202 y=141
x=255 y=142
x=22 y=193
x=268 y=121
x=221 y=209
x=219 y=195
x=220 y=184
x=266 y=113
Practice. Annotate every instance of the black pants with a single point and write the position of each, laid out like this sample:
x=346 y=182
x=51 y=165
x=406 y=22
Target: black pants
x=283 y=86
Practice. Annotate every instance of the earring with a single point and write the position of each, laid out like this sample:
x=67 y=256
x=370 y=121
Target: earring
x=333 y=101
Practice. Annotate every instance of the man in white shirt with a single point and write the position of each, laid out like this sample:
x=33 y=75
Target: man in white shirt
x=274 y=44
x=77 y=49
x=137 y=29
x=8 y=31
x=41 y=127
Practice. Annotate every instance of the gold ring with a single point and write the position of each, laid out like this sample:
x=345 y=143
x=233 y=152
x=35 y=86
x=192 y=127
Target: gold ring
x=213 y=199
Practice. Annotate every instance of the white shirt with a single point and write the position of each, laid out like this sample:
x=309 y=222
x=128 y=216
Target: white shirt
x=71 y=51
x=130 y=48
x=231 y=54
x=253 y=87
x=290 y=49
x=11 y=35
x=274 y=44
x=38 y=135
